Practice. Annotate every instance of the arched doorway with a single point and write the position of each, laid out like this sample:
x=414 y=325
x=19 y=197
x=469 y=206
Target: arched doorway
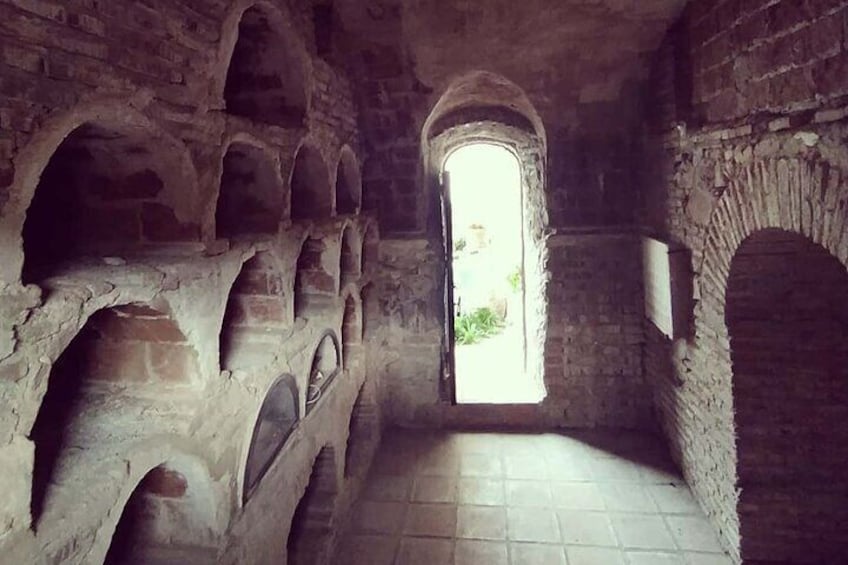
x=786 y=314
x=483 y=108
x=487 y=256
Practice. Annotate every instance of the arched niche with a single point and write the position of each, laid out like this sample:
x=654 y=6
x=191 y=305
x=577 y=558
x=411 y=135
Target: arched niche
x=363 y=433
x=325 y=366
x=352 y=349
x=257 y=317
x=312 y=523
x=311 y=193
x=482 y=96
x=105 y=377
x=277 y=418
x=108 y=189
x=348 y=183
x=315 y=282
x=267 y=80
x=786 y=313
x=252 y=197
x=350 y=259
x=169 y=518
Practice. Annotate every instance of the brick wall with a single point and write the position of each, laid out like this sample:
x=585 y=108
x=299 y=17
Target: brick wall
x=258 y=315
x=760 y=56
x=593 y=353
x=786 y=314
x=745 y=134
x=115 y=120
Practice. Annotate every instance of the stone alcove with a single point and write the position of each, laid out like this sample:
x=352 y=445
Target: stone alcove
x=101 y=388
x=311 y=193
x=267 y=74
x=251 y=199
x=786 y=314
x=348 y=183
x=108 y=189
x=257 y=317
x=170 y=517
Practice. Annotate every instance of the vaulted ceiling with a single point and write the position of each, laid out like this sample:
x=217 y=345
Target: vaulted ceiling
x=561 y=52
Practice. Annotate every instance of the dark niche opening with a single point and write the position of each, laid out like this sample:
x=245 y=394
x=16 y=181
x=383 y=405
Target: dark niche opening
x=311 y=194
x=105 y=191
x=348 y=184
x=257 y=317
x=252 y=198
x=266 y=80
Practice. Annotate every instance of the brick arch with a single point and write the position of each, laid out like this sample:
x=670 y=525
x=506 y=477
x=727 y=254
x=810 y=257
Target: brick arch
x=281 y=24
x=484 y=89
x=312 y=194
x=348 y=182
x=786 y=314
x=177 y=490
x=110 y=368
x=799 y=196
x=257 y=317
x=252 y=196
x=32 y=160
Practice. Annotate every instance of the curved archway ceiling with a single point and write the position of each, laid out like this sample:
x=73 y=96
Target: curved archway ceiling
x=561 y=52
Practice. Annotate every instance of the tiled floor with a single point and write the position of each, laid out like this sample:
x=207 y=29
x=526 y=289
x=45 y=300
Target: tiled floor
x=526 y=499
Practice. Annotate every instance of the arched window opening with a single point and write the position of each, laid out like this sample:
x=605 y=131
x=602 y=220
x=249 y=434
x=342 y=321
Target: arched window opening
x=170 y=518
x=363 y=434
x=277 y=418
x=251 y=199
x=311 y=194
x=266 y=81
x=352 y=335
x=350 y=264
x=786 y=314
x=325 y=366
x=119 y=352
x=257 y=317
x=106 y=191
x=309 y=536
x=348 y=183
x=315 y=284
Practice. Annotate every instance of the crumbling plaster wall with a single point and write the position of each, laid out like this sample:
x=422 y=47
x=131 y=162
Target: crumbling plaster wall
x=574 y=81
x=748 y=133
x=161 y=69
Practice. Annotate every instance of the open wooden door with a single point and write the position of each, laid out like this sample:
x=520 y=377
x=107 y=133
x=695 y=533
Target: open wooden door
x=448 y=383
